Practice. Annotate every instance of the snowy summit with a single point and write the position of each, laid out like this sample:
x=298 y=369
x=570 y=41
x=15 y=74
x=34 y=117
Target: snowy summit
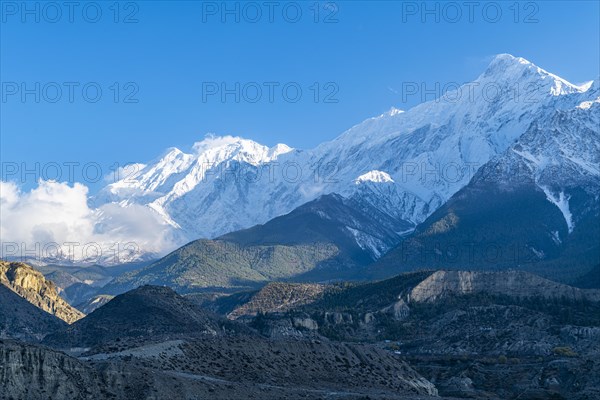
x=374 y=176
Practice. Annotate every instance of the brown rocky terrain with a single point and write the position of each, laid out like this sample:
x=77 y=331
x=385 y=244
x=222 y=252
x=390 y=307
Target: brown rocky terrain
x=279 y=297
x=502 y=335
x=151 y=343
x=32 y=286
x=211 y=369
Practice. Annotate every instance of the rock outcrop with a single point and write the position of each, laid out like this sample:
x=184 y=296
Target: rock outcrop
x=35 y=372
x=510 y=283
x=32 y=286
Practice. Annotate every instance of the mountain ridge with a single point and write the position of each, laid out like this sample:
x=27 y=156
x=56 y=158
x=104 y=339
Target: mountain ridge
x=534 y=207
x=433 y=139
x=33 y=287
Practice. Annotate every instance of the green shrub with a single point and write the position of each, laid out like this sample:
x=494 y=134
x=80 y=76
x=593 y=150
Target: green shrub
x=564 y=352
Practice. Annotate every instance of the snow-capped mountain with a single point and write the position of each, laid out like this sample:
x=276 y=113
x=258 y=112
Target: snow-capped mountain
x=559 y=155
x=535 y=206
x=406 y=164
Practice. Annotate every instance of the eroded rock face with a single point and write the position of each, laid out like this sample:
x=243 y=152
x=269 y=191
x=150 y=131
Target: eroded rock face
x=513 y=283
x=398 y=310
x=305 y=323
x=31 y=285
x=282 y=328
x=422 y=385
x=337 y=318
x=34 y=372
x=219 y=368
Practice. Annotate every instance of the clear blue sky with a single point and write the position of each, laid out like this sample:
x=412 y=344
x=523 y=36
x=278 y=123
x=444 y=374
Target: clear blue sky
x=170 y=51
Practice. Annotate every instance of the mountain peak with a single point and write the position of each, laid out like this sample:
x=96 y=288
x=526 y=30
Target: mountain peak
x=212 y=141
x=506 y=68
x=221 y=148
x=393 y=111
x=152 y=290
x=507 y=58
x=278 y=149
x=374 y=176
x=503 y=62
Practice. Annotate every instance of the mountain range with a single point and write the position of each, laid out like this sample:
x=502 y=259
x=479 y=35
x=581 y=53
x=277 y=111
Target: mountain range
x=467 y=181
x=314 y=242
x=518 y=145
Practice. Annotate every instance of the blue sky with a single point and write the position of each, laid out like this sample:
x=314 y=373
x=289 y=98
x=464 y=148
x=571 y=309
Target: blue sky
x=168 y=60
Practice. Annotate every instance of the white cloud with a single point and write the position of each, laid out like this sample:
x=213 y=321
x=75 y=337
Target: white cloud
x=56 y=213
x=212 y=141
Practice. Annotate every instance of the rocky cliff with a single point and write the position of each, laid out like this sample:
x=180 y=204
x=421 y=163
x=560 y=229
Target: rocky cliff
x=32 y=286
x=511 y=283
x=35 y=372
